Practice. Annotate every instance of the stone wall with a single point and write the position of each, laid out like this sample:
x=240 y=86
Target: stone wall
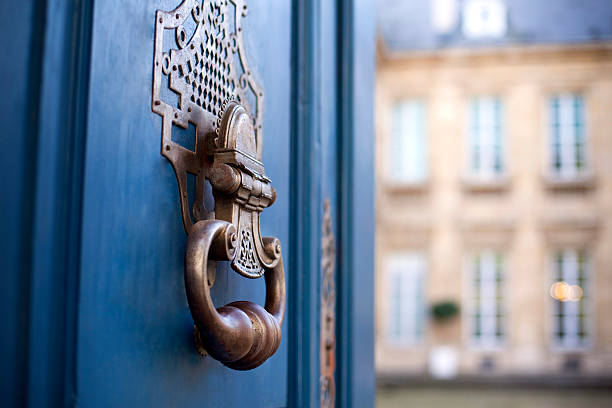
x=525 y=215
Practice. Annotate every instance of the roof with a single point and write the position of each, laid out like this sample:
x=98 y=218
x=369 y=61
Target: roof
x=406 y=25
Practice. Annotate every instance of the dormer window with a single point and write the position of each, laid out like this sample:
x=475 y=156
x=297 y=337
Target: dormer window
x=444 y=15
x=484 y=19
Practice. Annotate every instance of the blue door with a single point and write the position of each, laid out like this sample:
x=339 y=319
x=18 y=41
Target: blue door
x=99 y=211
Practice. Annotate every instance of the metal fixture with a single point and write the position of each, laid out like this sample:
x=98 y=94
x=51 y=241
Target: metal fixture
x=205 y=66
x=328 y=310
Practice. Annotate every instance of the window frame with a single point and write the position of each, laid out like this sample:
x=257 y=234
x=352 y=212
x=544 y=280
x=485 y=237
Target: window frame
x=586 y=178
x=489 y=176
x=469 y=301
x=413 y=340
x=391 y=177
x=590 y=319
x=550 y=137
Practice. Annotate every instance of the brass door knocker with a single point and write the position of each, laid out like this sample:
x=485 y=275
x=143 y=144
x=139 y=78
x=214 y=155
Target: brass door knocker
x=208 y=71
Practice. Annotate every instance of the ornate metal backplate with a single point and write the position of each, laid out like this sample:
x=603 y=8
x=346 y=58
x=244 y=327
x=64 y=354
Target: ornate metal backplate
x=328 y=310
x=199 y=65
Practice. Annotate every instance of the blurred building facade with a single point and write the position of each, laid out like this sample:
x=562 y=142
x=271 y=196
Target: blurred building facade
x=494 y=188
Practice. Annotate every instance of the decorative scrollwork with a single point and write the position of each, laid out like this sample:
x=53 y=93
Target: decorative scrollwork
x=246 y=259
x=202 y=64
x=328 y=310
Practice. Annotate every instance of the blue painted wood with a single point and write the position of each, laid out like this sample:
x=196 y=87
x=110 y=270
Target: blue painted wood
x=334 y=69
x=357 y=68
x=20 y=30
x=305 y=207
x=49 y=176
x=134 y=327
x=57 y=212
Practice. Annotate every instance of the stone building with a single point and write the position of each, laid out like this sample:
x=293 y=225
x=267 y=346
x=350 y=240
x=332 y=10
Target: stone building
x=494 y=188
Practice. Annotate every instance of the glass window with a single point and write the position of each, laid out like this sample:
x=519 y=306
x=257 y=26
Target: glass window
x=486 y=300
x=444 y=15
x=570 y=299
x=568 y=155
x=407 y=306
x=408 y=143
x=484 y=18
x=486 y=144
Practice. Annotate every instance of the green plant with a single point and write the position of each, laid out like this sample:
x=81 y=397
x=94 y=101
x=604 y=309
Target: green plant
x=444 y=310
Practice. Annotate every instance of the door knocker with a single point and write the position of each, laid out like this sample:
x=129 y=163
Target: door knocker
x=206 y=67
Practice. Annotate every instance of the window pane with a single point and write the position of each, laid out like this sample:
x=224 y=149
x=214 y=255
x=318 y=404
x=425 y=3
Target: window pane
x=487 y=299
x=484 y=18
x=408 y=142
x=567 y=137
x=475 y=136
x=570 y=307
x=497 y=137
x=407 y=317
x=556 y=138
x=578 y=133
x=486 y=140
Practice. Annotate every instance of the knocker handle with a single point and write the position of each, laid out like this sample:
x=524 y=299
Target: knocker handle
x=219 y=95
x=242 y=335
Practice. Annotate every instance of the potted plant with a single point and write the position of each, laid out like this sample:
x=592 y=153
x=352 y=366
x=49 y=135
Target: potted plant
x=443 y=357
x=444 y=311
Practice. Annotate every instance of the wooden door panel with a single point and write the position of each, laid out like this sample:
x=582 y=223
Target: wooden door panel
x=135 y=343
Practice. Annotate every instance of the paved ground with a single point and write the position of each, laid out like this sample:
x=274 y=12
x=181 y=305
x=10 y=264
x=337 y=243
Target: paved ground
x=492 y=398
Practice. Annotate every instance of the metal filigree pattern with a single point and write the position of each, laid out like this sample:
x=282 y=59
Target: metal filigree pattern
x=199 y=58
x=200 y=62
x=246 y=260
x=328 y=310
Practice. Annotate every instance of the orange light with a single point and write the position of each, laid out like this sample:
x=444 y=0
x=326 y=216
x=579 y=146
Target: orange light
x=564 y=292
x=559 y=291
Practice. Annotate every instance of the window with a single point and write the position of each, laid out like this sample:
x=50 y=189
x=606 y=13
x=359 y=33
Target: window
x=444 y=15
x=570 y=295
x=484 y=18
x=568 y=153
x=407 y=310
x=486 y=155
x=486 y=299
x=408 y=144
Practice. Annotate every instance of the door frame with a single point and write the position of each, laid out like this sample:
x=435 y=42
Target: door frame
x=355 y=306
